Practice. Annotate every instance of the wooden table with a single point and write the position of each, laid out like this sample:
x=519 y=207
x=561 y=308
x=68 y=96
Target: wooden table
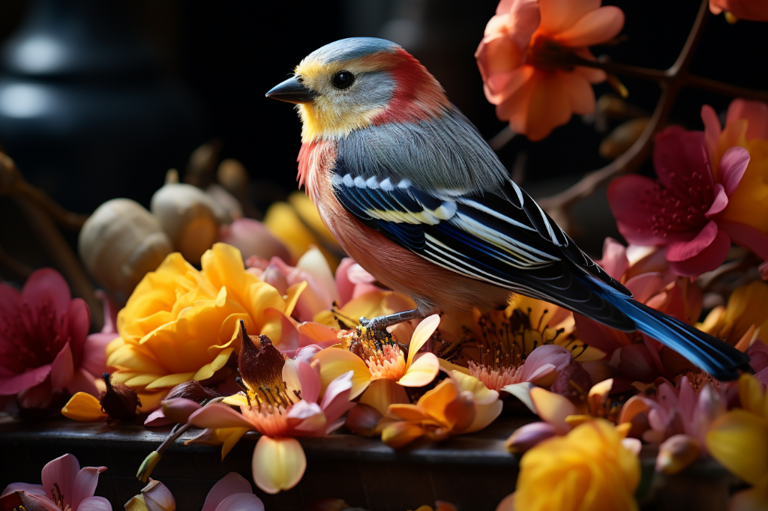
x=472 y=471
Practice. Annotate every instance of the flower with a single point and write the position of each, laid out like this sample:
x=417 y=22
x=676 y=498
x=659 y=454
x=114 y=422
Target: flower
x=70 y=487
x=459 y=404
x=376 y=360
x=739 y=441
x=754 y=10
x=530 y=340
x=180 y=323
x=589 y=468
x=525 y=65
x=231 y=493
x=683 y=210
x=746 y=126
x=44 y=343
x=281 y=403
x=677 y=419
x=742 y=319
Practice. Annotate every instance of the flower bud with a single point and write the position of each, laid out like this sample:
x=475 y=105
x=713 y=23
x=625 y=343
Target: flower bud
x=529 y=435
x=147 y=466
x=676 y=453
x=364 y=420
x=572 y=381
x=158 y=497
x=119 y=401
x=193 y=391
x=260 y=363
x=179 y=409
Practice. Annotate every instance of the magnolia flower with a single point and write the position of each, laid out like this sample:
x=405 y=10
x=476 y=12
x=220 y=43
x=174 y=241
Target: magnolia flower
x=66 y=487
x=383 y=362
x=524 y=60
x=181 y=324
x=683 y=210
x=738 y=440
x=589 y=468
x=231 y=493
x=282 y=402
x=44 y=343
x=459 y=404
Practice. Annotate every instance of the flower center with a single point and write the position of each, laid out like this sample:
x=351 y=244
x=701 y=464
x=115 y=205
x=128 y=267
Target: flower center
x=58 y=498
x=681 y=207
x=31 y=337
x=546 y=55
x=386 y=363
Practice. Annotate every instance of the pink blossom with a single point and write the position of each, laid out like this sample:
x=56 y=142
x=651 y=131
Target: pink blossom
x=66 y=487
x=44 y=346
x=232 y=493
x=681 y=209
x=539 y=367
x=253 y=238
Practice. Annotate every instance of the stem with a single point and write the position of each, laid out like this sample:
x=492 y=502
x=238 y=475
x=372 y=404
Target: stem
x=501 y=138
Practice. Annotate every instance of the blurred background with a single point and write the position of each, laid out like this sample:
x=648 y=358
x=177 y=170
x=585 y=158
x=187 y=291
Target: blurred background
x=99 y=99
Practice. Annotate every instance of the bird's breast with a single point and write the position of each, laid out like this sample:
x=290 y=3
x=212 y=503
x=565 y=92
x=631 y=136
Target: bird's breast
x=316 y=162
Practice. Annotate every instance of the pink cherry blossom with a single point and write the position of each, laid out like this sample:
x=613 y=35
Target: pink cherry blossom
x=681 y=209
x=66 y=487
x=44 y=343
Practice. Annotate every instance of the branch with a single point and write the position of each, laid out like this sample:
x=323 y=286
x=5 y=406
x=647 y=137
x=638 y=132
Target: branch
x=671 y=81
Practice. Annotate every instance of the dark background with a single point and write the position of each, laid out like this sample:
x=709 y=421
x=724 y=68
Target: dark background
x=221 y=57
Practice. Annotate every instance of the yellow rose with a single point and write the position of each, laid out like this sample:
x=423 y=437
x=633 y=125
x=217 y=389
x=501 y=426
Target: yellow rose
x=179 y=323
x=588 y=469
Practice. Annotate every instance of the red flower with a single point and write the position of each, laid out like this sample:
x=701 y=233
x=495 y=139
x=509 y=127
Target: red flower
x=43 y=343
x=681 y=209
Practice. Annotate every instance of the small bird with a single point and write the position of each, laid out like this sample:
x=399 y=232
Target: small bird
x=415 y=195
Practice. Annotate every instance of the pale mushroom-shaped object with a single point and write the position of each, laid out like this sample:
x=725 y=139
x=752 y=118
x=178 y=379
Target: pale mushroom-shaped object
x=120 y=243
x=189 y=216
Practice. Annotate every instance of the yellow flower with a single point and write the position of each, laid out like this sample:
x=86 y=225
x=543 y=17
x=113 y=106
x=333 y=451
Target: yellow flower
x=180 y=323
x=742 y=319
x=459 y=404
x=384 y=365
x=588 y=469
x=739 y=441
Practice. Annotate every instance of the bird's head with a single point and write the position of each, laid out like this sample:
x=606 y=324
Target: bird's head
x=359 y=82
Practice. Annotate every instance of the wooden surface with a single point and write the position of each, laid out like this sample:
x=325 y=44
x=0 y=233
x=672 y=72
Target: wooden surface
x=472 y=471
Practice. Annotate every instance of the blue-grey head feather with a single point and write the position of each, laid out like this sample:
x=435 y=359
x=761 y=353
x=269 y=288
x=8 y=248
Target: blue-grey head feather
x=352 y=48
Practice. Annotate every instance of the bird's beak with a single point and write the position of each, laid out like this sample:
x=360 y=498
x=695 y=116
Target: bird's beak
x=292 y=91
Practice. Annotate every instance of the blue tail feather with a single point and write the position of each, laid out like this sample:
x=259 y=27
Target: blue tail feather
x=712 y=355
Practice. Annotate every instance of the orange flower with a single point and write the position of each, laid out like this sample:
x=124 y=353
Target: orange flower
x=524 y=54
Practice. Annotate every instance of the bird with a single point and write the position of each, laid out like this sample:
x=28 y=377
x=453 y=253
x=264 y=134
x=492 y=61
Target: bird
x=414 y=194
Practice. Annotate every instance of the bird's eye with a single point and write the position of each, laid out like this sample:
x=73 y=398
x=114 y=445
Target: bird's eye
x=342 y=79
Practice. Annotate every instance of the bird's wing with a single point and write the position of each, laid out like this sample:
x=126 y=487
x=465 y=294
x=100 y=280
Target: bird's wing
x=504 y=239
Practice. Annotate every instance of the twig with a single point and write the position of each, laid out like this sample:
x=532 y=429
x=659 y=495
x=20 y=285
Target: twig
x=670 y=81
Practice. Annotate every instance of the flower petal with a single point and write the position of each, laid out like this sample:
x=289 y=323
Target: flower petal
x=383 y=393
x=310 y=382
x=62 y=369
x=421 y=335
x=47 y=284
x=10 y=385
x=32 y=489
x=719 y=203
x=480 y=393
x=625 y=197
x=278 y=464
x=754 y=112
x=215 y=416
x=421 y=372
x=336 y=361
x=736 y=433
x=83 y=407
x=62 y=472
x=552 y=408
x=747 y=237
x=704 y=253
x=94 y=504
x=733 y=164
x=230 y=484
x=85 y=484
x=336 y=399
x=401 y=433
x=593 y=28
x=241 y=502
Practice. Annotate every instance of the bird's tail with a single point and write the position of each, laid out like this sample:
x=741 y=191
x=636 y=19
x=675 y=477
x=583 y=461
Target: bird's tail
x=714 y=356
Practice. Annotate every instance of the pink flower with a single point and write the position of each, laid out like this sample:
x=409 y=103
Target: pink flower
x=65 y=487
x=758 y=360
x=754 y=10
x=232 y=493
x=278 y=459
x=43 y=343
x=681 y=209
x=539 y=367
x=523 y=59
